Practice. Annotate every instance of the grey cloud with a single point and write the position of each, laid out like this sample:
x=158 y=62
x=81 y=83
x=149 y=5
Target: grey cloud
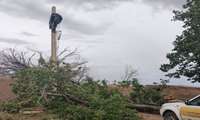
x=89 y=4
x=165 y=3
x=83 y=39
x=88 y=41
x=102 y=4
x=26 y=9
x=84 y=27
x=38 y=10
x=28 y=34
x=13 y=41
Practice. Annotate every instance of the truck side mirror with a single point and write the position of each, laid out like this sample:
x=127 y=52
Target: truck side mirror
x=187 y=102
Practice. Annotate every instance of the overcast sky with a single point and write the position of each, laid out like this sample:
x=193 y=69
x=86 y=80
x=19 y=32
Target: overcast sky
x=110 y=34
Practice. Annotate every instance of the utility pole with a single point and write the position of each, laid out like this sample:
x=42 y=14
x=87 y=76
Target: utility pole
x=53 y=41
x=55 y=19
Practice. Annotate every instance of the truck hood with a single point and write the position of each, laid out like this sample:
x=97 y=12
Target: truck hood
x=176 y=104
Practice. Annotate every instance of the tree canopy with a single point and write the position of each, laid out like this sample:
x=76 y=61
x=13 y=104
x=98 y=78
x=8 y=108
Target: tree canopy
x=184 y=60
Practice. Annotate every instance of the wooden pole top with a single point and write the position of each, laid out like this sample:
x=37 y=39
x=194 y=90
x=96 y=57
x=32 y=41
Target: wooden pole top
x=53 y=10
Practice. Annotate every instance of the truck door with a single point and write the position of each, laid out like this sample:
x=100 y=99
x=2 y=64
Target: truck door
x=192 y=110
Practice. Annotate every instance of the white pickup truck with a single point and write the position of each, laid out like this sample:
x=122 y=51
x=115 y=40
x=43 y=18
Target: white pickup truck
x=189 y=110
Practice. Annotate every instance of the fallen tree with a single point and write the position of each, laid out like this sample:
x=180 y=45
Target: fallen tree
x=63 y=88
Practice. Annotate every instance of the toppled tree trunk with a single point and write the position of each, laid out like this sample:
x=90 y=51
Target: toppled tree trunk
x=146 y=108
x=70 y=97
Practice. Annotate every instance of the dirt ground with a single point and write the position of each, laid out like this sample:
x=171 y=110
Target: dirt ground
x=181 y=92
x=5 y=89
x=146 y=116
x=43 y=116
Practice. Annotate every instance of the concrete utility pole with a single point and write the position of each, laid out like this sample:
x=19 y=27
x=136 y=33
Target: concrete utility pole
x=53 y=42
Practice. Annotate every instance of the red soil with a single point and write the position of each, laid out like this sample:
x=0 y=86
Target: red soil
x=5 y=89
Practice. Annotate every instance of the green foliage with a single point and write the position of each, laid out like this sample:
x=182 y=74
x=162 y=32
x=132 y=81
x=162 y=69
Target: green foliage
x=29 y=84
x=184 y=60
x=125 y=83
x=10 y=107
x=103 y=104
x=60 y=90
x=146 y=95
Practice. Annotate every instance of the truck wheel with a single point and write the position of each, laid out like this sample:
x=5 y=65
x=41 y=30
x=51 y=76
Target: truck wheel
x=170 y=116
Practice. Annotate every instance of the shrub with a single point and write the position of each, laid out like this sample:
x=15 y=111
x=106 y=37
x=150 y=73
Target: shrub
x=10 y=107
x=146 y=95
x=103 y=104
